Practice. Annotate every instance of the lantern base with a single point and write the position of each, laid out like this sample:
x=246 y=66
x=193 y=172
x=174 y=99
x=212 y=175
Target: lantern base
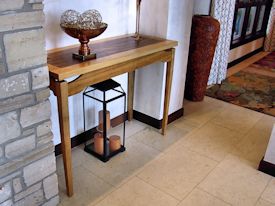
x=103 y=157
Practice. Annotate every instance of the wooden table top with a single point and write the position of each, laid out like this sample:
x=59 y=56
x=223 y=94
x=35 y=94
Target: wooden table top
x=109 y=52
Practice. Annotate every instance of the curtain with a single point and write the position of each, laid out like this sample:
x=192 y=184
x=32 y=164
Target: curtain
x=223 y=11
x=270 y=35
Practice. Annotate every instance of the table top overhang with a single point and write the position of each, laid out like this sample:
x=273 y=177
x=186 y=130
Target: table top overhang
x=109 y=52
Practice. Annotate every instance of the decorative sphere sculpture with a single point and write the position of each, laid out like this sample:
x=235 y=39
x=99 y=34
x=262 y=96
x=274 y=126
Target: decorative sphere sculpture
x=90 y=19
x=83 y=27
x=70 y=18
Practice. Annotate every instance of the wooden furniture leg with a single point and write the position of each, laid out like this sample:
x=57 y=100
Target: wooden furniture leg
x=131 y=86
x=169 y=76
x=63 y=112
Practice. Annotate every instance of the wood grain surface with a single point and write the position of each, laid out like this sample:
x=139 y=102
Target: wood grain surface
x=110 y=52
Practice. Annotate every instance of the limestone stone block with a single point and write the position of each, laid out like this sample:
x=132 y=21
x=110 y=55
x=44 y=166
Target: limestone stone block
x=43 y=95
x=39 y=170
x=36 y=198
x=50 y=185
x=5 y=192
x=1 y=152
x=35 y=1
x=7 y=203
x=28 y=132
x=19 y=203
x=37 y=6
x=19 y=162
x=44 y=139
x=44 y=128
x=27 y=192
x=6 y=5
x=9 y=127
x=40 y=77
x=2 y=67
x=25 y=49
x=53 y=202
x=17 y=186
x=23 y=20
x=35 y=114
x=19 y=147
x=9 y=177
x=16 y=103
x=14 y=85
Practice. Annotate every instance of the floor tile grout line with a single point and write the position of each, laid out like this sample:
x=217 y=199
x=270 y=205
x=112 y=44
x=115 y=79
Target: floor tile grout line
x=126 y=180
x=114 y=187
x=207 y=175
x=260 y=196
x=114 y=190
x=164 y=153
x=204 y=155
x=132 y=139
x=224 y=200
x=233 y=146
x=147 y=145
x=267 y=201
x=158 y=189
x=196 y=184
x=97 y=175
x=215 y=196
x=243 y=134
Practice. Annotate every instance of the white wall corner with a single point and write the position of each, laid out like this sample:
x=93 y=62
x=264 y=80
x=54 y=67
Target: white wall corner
x=270 y=151
x=172 y=21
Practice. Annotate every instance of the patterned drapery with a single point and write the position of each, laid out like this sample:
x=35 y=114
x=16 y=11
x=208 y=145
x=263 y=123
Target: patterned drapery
x=270 y=35
x=223 y=11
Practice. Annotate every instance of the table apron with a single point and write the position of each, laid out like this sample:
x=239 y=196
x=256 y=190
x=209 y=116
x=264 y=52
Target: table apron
x=94 y=77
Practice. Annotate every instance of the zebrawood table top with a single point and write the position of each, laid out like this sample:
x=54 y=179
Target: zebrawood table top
x=109 y=52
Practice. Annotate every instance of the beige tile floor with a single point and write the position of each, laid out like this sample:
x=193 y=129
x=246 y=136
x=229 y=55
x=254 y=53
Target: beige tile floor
x=209 y=157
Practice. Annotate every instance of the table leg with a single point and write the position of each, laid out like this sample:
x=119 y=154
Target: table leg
x=63 y=112
x=131 y=86
x=169 y=76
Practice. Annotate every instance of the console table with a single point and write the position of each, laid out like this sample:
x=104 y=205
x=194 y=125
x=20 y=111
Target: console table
x=115 y=56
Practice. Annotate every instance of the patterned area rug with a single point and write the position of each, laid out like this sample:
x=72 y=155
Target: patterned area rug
x=253 y=87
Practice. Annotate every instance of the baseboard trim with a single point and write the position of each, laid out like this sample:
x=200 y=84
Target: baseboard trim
x=267 y=168
x=85 y=136
x=155 y=122
x=237 y=61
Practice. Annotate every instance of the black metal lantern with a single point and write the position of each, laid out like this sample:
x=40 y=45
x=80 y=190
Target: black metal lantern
x=104 y=147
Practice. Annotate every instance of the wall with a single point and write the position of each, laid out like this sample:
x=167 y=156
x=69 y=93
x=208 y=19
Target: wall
x=173 y=20
x=120 y=21
x=149 y=85
x=270 y=153
x=179 y=28
x=27 y=161
x=201 y=7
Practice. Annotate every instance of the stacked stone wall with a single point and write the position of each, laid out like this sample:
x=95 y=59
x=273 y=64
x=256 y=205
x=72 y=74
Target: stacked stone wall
x=27 y=162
